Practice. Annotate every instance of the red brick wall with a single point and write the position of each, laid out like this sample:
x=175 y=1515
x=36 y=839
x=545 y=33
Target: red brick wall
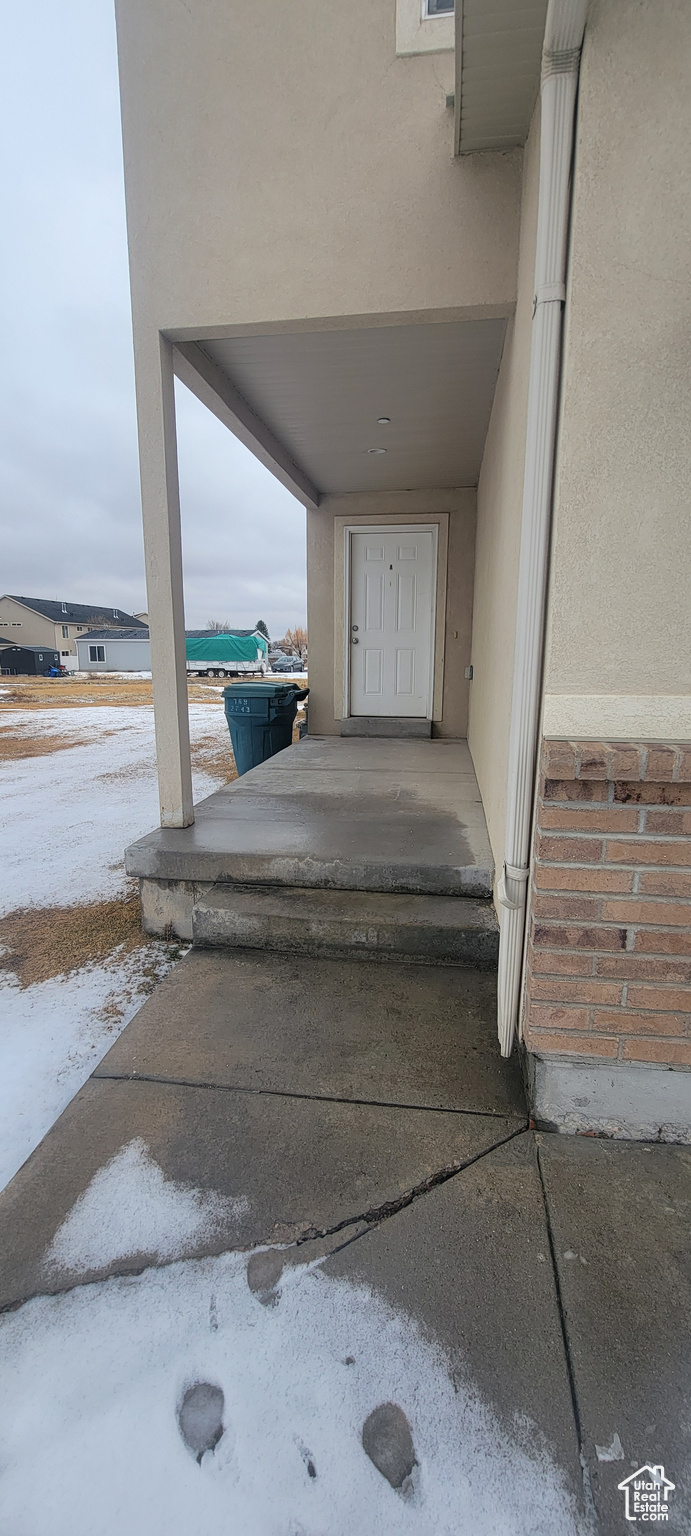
x=609 y=947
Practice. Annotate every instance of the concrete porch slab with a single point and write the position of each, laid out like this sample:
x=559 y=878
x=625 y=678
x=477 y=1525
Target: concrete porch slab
x=271 y=1169
x=377 y=756
x=340 y=1029
x=346 y=814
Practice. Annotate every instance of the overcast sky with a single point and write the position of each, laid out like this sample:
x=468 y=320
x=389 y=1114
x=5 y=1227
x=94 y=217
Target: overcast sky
x=71 y=522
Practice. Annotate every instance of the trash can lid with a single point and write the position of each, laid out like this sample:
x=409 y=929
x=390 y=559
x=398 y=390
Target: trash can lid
x=263 y=690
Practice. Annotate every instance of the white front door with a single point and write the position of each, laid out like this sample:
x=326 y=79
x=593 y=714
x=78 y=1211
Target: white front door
x=391 y=631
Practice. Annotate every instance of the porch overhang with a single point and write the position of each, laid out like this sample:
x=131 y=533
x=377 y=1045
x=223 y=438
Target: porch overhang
x=350 y=407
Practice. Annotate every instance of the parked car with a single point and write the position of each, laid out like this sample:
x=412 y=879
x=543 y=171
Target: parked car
x=287 y=664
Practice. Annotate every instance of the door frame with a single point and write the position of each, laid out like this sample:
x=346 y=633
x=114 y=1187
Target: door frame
x=438 y=525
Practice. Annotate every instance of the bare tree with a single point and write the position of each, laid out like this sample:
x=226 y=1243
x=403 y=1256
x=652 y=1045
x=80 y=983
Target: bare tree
x=218 y=626
x=296 y=640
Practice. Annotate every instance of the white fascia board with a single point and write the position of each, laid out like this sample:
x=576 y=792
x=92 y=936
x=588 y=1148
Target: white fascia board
x=194 y=368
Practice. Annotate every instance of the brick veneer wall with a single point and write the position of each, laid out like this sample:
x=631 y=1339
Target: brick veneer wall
x=609 y=945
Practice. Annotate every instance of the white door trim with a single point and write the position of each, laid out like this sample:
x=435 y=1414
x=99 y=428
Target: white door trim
x=386 y=527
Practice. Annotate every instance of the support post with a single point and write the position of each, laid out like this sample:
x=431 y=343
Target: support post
x=163 y=560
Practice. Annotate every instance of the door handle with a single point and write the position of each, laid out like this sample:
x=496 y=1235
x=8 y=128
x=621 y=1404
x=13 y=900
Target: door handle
x=355 y=640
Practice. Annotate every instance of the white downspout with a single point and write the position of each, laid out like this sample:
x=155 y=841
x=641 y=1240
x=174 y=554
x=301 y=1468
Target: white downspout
x=560 y=64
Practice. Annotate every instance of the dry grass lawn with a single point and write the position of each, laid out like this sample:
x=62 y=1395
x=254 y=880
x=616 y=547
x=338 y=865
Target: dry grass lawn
x=38 y=943
x=14 y=745
x=215 y=758
x=89 y=692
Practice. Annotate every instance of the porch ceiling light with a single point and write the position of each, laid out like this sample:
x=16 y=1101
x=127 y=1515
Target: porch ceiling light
x=383 y=421
x=377 y=450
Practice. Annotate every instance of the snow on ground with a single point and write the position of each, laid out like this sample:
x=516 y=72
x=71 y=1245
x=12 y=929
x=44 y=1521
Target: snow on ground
x=101 y=1432
x=52 y=1037
x=67 y=818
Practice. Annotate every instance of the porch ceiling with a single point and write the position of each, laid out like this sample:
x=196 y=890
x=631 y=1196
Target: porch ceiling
x=319 y=394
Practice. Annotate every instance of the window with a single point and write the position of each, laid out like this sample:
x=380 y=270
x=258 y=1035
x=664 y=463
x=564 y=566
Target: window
x=64 y=653
x=97 y=653
x=424 y=26
x=40 y=655
x=65 y=631
x=16 y=623
x=79 y=628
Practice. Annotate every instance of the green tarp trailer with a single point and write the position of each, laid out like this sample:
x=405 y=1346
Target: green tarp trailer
x=228 y=653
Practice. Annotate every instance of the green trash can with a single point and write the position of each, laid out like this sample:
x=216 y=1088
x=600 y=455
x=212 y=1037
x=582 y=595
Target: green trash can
x=260 y=719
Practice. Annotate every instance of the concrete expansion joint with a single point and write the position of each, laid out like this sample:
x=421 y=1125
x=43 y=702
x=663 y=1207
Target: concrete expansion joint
x=286 y=1093
x=588 y=1500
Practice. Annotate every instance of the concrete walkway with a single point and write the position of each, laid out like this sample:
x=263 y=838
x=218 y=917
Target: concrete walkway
x=465 y=1326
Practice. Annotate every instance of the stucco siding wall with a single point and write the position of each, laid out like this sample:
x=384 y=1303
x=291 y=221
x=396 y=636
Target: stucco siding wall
x=619 y=641
x=22 y=627
x=283 y=163
x=322 y=598
x=499 y=508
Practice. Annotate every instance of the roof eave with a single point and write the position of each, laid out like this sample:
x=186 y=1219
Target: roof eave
x=498 y=58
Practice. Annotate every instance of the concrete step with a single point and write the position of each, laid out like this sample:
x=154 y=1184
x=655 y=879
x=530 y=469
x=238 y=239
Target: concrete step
x=436 y=930
x=398 y=728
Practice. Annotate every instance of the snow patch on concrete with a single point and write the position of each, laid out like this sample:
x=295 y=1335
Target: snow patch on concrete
x=131 y=1208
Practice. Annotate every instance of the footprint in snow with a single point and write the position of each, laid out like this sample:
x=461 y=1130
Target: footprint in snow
x=200 y=1418
x=264 y=1271
x=387 y=1440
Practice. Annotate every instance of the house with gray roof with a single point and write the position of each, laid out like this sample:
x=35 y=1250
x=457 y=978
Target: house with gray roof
x=57 y=624
x=114 y=650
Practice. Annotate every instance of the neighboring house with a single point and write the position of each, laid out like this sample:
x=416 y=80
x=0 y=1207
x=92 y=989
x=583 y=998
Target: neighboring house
x=440 y=288
x=113 y=650
x=39 y=621
x=26 y=660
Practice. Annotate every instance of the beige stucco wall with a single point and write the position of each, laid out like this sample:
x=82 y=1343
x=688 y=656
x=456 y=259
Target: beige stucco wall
x=282 y=163
x=499 y=508
x=23 y=627
x=619 y=640
x=323 y=570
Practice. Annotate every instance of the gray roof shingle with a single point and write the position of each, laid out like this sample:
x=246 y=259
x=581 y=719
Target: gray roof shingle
x=77 y=613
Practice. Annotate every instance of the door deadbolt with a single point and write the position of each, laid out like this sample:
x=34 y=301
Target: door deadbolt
x=354 y=626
